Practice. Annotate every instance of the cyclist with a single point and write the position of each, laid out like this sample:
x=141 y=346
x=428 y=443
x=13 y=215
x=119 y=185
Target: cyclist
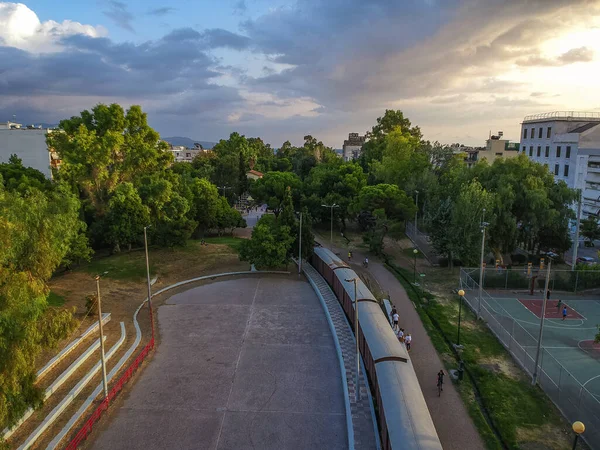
x=349 y=255
x=366 y=262
x=440 y=380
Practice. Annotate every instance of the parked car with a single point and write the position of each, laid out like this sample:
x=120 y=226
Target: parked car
x=585 y=260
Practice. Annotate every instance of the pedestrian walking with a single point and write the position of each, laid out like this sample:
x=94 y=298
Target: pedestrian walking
x=392 y=315
x=401 y=335
x=564 y=313
x=408 y=341
x=548 y=294
x=396 y=317
x=558 y=305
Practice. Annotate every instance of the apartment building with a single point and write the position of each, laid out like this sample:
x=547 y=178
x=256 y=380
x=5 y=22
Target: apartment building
x=352 y=146
x=495 y=147
x=568 y=143
x=185 y=154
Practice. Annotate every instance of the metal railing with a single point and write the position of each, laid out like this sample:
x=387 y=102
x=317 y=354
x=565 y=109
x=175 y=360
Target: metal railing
x=573 y=399
x=563 y=115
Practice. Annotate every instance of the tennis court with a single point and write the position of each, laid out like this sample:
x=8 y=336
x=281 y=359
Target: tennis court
x=569 y=364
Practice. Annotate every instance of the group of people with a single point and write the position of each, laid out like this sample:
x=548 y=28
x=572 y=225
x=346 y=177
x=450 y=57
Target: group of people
x=365 y=261
x=402 y=335
x=559 y=304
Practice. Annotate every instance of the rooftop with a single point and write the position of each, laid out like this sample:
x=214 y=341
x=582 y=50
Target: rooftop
x=563 y=115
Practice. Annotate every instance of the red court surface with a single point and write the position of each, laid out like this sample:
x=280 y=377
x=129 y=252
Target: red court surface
x=552 y=312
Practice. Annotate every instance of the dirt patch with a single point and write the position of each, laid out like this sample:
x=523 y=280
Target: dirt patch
x=546 y=437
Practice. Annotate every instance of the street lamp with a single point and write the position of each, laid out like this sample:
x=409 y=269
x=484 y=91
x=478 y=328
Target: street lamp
x=333 y=205
x=300 y=246
x=578 y=428
x=461 y=294
x=417 y=211
x=481 y=274
x=357 y=389
x=148 y=278
x=102 y=359
x=540 y=337
x=415 y=252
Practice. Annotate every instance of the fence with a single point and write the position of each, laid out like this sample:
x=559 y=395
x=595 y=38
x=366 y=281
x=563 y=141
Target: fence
x=574 y=400
x=576 y=281
x=103 y=406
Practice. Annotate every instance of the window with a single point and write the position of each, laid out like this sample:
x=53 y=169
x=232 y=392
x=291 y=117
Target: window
x=524 y=133
x=531 y=151
x=539 y=151
x=540 y=133
x=555 y=169
x=566 y=171
x=548 y=132
x=188 y=155
x=568 y=154
x=558 y=151
x=547 y=151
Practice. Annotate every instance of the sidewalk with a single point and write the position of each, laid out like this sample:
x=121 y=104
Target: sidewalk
x=450 y=417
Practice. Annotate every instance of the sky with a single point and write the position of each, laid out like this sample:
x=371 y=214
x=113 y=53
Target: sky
x=279 y=69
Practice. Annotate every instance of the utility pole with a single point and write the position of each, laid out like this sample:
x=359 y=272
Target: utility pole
x=539 y=345
x=576 y=242
x=300 y=247
x=481 y=269
x=333 y=205
x=148 y=278
x=104 y=382
x=356 y=332
x=416 y=212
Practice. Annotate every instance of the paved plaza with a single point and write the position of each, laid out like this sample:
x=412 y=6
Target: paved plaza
x=245 y=363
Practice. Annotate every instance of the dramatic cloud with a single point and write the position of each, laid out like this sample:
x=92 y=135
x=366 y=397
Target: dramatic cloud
x=575 y=55
x=120 y=15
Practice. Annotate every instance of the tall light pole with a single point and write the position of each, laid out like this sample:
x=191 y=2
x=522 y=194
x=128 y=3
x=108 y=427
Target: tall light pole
x=417 y=211
x=576 y=243
x=357 y=389
x=300 y=246
x=481 y=274
x=539 y=344
x=333 y=205
x=461 y=294
x=148 y=278
x=415 y=251
x=578 y=428
x=104 y=382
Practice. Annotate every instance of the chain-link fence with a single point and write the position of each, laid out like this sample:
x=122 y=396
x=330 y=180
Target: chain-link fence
x=575 y=281
x=574 y=400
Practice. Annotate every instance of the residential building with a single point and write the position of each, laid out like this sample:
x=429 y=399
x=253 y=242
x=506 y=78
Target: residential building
x=352 y=146
x=568 y=143
x=254 y=174
x=185 y=154
x=29 y=144
x=495 y=147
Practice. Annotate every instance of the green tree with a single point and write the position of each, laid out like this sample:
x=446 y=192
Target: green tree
x=271 y=189
x=126 y=218
x=269 y=246
x=17 y=177
x=36 y=230
x=590 y=230
x=227 y=217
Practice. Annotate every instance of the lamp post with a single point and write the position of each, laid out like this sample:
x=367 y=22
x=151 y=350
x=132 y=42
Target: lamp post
x=578 y=428
x=300 y=247
x=333 y=205
x=481 y=274
x=461 y=294
x=357 y=389
x=415 y=252
x=539 y=344
x=102 y=359
x=148 y=278
x=576 y=242
x=417 y=211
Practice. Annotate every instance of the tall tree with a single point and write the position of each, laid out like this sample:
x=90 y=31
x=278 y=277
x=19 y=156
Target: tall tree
x=126 y=218
x=271 y=189
x=269 y=245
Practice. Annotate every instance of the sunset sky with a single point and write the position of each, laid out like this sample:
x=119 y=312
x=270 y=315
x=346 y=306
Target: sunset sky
x=281 y=70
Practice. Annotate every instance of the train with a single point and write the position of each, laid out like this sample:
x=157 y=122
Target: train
x=403 y=417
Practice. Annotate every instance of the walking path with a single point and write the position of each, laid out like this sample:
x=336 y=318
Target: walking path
x=450 y=417
x=363 y=416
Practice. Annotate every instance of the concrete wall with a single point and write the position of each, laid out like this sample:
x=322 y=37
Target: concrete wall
x=29 y=145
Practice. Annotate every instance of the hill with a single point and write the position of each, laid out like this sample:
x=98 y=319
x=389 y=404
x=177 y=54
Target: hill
x=179 y=140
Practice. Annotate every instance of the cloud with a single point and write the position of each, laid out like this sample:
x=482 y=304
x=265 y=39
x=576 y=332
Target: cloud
x=218 y=37
x=575 y=55
x=21 y=28
x=120 y=15
x=160 y=12
x=240 y=8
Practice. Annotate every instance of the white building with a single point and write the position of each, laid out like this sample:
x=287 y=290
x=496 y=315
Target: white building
x=352 y=146
x=29 y=144
x=568 y=143
x=184 y=154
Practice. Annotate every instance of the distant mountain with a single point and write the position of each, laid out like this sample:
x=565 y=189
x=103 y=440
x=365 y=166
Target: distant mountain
x=178 y=140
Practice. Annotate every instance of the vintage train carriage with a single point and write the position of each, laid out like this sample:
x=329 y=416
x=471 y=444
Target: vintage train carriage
x=403 y=414
x=326 y=263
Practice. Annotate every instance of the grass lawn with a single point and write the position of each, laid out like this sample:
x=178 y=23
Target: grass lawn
x=522 y=413
x=55 y=299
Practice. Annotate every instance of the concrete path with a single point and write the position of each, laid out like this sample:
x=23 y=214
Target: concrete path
x=450 y=417
x=248 y=363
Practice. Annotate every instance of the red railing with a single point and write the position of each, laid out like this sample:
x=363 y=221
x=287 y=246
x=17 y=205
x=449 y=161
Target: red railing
x=103 y=406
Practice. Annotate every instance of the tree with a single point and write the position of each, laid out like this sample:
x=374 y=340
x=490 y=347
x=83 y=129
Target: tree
x=269 y=246
x=36 y=230
x=227 y=217
x=17 y=177
x=271 y=189
x=590 y=229
x=126 y=218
